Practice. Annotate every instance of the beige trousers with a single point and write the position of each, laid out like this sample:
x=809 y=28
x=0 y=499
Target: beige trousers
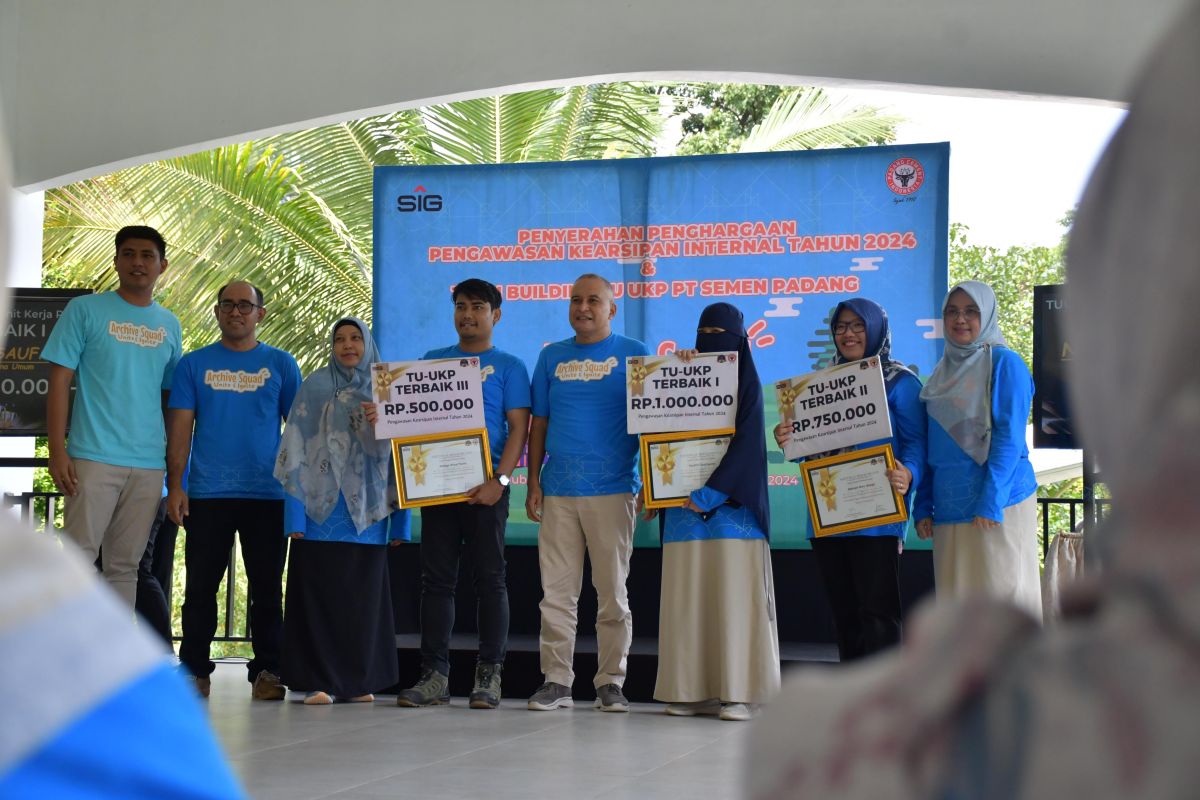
x=601 y=526
x=111 y=515
x=1000 y=562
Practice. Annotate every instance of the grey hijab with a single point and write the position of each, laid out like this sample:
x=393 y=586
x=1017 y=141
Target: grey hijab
x=959 y=393
x=328 y=448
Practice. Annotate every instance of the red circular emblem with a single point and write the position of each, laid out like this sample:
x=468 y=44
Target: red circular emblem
x=905 y=175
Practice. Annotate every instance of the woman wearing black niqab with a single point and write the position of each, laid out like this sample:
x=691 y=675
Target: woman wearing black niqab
x=718 y=649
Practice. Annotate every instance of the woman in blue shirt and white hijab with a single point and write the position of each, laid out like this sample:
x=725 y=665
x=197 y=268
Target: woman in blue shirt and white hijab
x=980 y=503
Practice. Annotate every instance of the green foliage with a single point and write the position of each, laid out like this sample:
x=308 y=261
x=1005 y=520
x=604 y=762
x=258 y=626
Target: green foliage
x=735 y=117
x=293 y=213
x=1012 y=274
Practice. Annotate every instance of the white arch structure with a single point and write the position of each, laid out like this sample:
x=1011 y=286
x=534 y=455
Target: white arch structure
x=88 y=87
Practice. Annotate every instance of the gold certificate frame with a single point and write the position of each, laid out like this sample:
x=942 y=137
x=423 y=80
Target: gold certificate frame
x=440 y=468
x=849 y=491
x=665 y=455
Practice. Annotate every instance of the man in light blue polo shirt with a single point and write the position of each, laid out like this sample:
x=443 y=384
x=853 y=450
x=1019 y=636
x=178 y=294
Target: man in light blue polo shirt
x=228 y=401
x=120 y=348
x=584 y=495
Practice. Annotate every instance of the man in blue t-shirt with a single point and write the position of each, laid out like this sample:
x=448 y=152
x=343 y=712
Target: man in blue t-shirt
x=479 y=523
x=227 y=403
x=120 y=348
x=584 y=494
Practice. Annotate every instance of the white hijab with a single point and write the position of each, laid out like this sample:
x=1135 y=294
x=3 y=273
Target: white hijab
x=959 y=393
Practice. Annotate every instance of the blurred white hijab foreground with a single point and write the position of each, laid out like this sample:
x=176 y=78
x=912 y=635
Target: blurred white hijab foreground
x=982 y=702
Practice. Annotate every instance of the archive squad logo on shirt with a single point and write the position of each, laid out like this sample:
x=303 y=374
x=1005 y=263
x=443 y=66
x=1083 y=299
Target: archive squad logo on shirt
x=586 y=370
x=224 y=380
x=140 y=335
x=488 y=370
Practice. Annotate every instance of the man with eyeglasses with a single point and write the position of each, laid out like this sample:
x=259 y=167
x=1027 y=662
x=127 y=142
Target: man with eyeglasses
x=120 y=349
x=227 y=402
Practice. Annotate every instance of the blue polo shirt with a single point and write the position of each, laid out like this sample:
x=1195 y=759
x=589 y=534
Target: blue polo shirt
x=505 y=387
x=581 y=389
x=123 y=357
x=240 y=399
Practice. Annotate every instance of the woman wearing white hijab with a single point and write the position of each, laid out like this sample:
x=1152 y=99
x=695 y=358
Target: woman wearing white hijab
x=979 y=502
x=983 y=702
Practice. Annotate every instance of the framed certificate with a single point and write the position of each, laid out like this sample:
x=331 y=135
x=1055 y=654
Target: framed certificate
x=676 y=464
x=851 y=491
x=438 y=468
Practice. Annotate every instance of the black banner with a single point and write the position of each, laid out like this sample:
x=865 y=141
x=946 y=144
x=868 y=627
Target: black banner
x=1052 y=424
x=24 y=375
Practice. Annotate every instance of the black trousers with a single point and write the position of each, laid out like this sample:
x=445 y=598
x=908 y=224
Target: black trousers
x=211 y=524
x=154 y=575
x=862 y=581
x=446 y=531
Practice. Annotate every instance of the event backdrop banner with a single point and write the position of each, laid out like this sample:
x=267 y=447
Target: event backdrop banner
x=782 y=236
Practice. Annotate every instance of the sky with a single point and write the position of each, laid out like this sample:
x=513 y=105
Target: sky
x=1016 y=166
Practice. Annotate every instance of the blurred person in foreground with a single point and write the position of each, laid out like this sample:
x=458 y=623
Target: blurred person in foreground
x=981 y=702
x=97 y=709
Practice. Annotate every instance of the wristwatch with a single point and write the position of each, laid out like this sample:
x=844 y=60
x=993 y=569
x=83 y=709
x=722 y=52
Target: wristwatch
x=503 y=479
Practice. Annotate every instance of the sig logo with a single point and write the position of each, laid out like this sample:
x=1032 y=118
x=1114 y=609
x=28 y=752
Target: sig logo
x=419 y=200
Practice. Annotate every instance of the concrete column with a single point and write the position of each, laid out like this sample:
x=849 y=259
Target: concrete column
x=24 y=270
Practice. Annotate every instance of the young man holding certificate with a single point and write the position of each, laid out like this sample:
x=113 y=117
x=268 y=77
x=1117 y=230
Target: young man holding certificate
x=584 y=495
x=479 y=522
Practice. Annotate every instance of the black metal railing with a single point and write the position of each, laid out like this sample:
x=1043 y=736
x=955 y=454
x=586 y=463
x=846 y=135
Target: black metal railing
x=1075 y=515
x=39 y=515
x=39 y=510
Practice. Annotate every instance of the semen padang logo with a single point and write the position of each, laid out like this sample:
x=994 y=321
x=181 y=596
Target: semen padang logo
x=419 y=200
x=905 y=175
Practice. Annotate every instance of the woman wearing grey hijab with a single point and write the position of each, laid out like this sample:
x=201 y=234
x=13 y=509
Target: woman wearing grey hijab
x=979 y=502
x=340 y=512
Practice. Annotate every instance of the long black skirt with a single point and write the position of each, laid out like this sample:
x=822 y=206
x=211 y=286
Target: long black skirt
x=338 y=632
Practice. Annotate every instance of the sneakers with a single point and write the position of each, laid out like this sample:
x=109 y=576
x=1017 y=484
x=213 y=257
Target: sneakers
x=693 y=709
x=266 y=687
x=551 y=696
x=202 y=685
x=433 y=689
x=736 y=712
x=610 y=698
x=486 y=693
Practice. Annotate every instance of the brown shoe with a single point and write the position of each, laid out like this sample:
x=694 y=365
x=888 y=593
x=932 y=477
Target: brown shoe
x=268 y=687
x=202 y=685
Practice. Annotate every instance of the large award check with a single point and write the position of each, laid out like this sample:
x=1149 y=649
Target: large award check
x=434 y=396
x=841 y=406
x=674 y=465
x=440 y=467
x=851 y=491
x=666 y=394
x=433 y=412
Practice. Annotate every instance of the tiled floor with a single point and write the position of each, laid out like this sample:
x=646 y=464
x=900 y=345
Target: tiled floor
x=288 y=750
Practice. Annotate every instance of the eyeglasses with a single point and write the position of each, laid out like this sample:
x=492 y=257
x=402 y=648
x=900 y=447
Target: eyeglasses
x=853 y=327
x=967 y=313
x=243 y=306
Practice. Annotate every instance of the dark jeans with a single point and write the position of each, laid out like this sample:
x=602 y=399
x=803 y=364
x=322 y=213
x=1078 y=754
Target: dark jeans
x=862 y=581
x=155 y=572
x=445 y=531
x=211 y=524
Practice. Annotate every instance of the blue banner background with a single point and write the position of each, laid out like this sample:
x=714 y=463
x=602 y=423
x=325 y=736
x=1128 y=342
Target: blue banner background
x=821 y=193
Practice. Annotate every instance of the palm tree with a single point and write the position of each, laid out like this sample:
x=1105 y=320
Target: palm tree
x=293 y=213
